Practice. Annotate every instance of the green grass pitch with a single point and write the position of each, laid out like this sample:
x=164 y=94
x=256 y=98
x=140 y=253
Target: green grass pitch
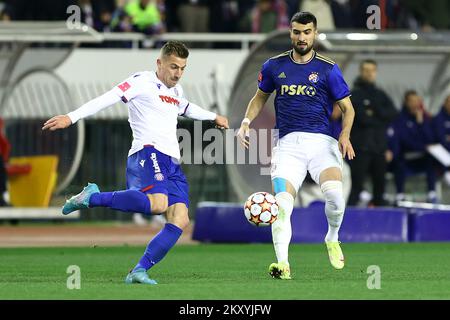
x=229 y=271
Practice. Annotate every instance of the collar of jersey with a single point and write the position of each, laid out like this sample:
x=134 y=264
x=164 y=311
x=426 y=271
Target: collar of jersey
x=156 y=79
x=291 y=55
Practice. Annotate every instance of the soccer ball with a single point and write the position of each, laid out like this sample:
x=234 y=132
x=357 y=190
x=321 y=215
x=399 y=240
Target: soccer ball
x=261 y=209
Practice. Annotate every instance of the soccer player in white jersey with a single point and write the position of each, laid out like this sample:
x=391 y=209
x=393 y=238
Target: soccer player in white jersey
x=307 y=85
x=155 y=181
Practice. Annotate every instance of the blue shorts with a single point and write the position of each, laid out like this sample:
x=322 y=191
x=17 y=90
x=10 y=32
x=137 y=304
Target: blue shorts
x=151 y=171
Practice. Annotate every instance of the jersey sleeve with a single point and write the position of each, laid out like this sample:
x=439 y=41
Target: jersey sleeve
x=337 y=86
x=183 y=103
x=265 y=79
x=129 y=88
x=182 y=106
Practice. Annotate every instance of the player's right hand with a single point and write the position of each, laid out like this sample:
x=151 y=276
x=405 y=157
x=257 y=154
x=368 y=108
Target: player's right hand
x=57 y=122
x=244 y=134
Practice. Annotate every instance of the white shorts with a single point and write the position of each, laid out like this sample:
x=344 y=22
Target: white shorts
x=299 y=152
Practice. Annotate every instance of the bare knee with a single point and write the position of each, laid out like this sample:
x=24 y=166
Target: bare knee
x=332 y=191
x=182 y=222
x=177 y=214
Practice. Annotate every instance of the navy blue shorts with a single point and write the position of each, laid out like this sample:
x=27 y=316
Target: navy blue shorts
x=151 y=171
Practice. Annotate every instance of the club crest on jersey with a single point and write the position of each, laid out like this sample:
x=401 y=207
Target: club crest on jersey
x=313 y=77
x=159 y=176
x=159 y=86
x=176 y=91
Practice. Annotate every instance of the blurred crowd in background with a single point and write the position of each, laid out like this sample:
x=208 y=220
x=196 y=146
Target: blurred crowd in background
x=257 y=16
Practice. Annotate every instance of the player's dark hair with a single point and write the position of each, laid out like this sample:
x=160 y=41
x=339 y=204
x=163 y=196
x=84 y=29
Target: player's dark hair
x=304 y=17
x=176 y=48
x=369 y=61
x=409 y=93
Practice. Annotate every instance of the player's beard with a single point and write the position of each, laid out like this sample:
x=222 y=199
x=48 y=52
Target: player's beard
x=174 y=81
x=303 y=51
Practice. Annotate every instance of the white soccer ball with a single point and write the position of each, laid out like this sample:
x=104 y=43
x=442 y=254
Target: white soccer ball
x=261 y=209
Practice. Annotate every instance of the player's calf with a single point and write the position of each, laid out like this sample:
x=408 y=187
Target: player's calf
x=334 y=210
x=178 y=214
x=334 y=207
x=131 y=201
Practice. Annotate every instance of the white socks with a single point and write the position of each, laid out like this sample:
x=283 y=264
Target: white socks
x=334 y=207
x=281 y=228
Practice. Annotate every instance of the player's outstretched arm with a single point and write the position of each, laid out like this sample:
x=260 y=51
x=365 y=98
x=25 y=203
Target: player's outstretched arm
x=89 y=108
x=348 y=115
x=253 y=109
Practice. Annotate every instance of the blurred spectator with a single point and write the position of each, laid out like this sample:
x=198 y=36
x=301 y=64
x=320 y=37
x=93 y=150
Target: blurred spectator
x=342 y=14
x=145 y=16
x=441 y=127
x=171 y=19
x=87 y=12
x=322 y=10
x=39 y=9
x=4 y=155
x=266 y=16
x=5 y=11
x=292 y=7
x=103 y=10
x=401 y=17
x=120 y=20
x=374 y=111
x=224 y=16
x=193 y=15
x=408 y=137
x=430 y=14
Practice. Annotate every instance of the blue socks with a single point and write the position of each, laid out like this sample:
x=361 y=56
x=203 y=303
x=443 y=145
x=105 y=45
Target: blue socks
x=159 y=246
x=127 y=200
x=136 y=201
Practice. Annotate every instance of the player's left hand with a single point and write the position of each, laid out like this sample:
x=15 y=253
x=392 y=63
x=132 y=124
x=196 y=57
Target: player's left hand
x=345 y=146
x=57 y=122
x=221 y=122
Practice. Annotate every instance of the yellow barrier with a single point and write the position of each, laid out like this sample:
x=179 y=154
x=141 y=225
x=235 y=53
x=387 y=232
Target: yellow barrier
x=35 y=188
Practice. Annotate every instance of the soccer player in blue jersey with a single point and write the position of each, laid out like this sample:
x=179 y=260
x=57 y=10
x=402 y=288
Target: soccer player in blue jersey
x=155 y=182
x=307 y=85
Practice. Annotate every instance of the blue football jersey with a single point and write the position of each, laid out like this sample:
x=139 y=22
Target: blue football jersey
x=305 y=92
